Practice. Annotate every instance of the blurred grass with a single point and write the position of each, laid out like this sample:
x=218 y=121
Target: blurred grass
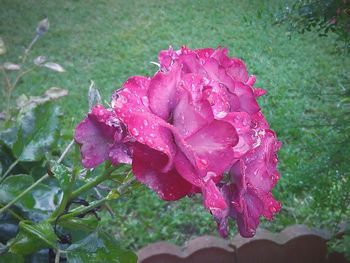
x=108 y=41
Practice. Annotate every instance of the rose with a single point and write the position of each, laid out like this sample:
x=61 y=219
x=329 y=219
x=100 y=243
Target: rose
x=232 y=97
x=194 y=121
x=175 y=151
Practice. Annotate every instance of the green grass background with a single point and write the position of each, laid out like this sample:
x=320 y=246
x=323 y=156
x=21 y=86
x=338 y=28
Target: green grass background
x=108 y=41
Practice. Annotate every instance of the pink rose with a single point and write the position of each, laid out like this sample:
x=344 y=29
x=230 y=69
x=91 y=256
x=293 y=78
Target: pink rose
x=180 y=147
x=194 y=127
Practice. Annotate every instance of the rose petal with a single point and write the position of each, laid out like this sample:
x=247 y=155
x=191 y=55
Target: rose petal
x=191 y=64
x=154 y=132
x=238 y=70
x=242 y=122
x=213 y=198
x=132 y=98
x=162 y=91
x=246 y=97
x=213 y=145
x=191 y=113
x=204 y=54
x=96 y=134
x=147 y=167
x=166 y=58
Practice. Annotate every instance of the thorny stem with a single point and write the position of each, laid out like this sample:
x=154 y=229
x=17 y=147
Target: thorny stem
x=35 y=184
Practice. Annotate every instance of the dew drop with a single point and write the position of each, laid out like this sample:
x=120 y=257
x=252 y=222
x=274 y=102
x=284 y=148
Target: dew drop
x=145 y=101
x=135 y=132
x=202 y=163
x=221 y=114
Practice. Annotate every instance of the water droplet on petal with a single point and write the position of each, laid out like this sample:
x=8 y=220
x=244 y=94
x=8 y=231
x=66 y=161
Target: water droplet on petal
x=145 y=101
x=202 y=163
x=221 y=114
x=135 y=132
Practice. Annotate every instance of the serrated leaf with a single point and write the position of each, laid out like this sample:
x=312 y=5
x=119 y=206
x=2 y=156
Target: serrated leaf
x=54 y=66
x=38 y=133
x=33 y=237
x=63 y=176
x=99 y=247
x=11 y=66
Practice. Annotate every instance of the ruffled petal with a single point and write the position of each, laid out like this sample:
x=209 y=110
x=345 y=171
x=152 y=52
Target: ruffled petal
x=192 y=112
x=131 y=98
x=204 y=54
x=154 y=132
x=238 y=70
x=246 y=98
x=242 y=122
x=213 y=145
x=166 y=58
x=216 y=72
x=147 y=167
x=162 y=91
x=96 y=135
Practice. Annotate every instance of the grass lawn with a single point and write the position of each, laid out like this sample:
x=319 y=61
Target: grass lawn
x=108 y=41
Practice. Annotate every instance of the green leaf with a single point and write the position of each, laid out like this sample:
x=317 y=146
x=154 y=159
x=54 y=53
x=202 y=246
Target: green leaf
x=99 y=247
x=8 y=137
x=39 y=202
x=63 y=176
x=33 y=237
x=13 y=186
x=8 y=228
x=37 y=134
x=79 y=228
x=11 y=258
x=86 y=223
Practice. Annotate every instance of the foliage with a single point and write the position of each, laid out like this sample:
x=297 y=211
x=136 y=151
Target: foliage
x=323 y=16
x=39 y=218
